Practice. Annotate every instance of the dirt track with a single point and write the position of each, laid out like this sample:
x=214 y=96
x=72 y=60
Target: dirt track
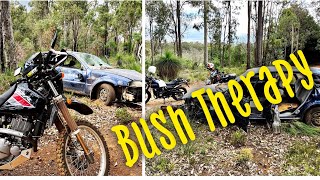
x=43 y=162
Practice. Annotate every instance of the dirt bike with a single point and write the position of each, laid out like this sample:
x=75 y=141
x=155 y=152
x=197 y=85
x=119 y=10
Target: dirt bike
x=35 y=102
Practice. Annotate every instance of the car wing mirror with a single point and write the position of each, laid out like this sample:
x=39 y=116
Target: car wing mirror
x=80 y=77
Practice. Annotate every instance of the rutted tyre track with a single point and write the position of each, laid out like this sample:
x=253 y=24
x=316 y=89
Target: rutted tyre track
x=43 y=162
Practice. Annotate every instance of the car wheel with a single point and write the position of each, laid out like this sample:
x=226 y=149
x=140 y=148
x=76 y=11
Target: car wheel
x=313 y=117
x=179 y=95
x=106 y=93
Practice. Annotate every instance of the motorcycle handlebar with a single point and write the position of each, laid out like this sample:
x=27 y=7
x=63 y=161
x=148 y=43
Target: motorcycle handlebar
x=18 y=81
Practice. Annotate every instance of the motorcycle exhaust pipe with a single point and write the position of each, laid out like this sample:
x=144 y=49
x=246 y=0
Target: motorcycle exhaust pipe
x=19 y=135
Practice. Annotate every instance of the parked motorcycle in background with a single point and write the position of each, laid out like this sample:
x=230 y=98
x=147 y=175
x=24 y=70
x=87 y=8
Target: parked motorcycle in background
x=162 y=89
x=217 y=77
x=34 y=103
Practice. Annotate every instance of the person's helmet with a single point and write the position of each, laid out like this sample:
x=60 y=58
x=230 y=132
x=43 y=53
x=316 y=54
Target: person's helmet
x=152 y=69
x=210 y=66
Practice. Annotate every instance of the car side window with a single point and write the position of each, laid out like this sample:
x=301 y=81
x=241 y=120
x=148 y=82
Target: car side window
x=293 y=81
x=316 y=79
x=72 y=62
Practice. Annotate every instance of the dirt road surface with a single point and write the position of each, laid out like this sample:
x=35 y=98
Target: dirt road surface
x=42 y=163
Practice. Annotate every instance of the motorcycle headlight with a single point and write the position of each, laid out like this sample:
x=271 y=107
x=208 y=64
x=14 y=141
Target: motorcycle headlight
x=136 y=84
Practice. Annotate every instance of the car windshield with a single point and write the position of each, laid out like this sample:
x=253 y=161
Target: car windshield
x=93 y=61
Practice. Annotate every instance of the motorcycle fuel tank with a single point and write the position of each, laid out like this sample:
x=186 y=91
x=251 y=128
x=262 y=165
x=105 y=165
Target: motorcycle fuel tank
x=23 y=100
x=158 y=84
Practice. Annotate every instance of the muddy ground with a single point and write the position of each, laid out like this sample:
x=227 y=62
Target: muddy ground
x=43 y=163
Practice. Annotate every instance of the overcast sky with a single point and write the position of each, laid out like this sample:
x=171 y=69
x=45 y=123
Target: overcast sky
x=192 y=35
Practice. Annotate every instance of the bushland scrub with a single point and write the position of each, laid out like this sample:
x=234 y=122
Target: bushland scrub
x=190 y=66
x=231 y=151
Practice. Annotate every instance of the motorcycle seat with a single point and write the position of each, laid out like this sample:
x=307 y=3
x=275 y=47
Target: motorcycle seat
x=5 y=96
x=171 y=83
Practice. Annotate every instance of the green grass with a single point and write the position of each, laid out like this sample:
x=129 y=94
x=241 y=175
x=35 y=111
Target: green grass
x=128 y=61
x=200 y=73
x=303 y=158
x=123 y=115
x=300 y=128
x=164 y=165
x=5 y=80
x=187 y=150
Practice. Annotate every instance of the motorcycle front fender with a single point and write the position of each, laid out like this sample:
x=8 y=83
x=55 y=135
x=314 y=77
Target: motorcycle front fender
x=79 y=107
x=75 y=105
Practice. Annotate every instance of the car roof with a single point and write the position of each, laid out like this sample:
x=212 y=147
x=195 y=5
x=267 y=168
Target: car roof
x=272 y=69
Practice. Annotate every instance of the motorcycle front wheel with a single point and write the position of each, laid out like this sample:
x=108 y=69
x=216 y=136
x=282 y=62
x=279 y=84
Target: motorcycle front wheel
x=148 y=96
x=71 y=158
x=181 y=91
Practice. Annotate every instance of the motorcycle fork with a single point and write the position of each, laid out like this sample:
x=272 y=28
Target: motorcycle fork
x=61 y=105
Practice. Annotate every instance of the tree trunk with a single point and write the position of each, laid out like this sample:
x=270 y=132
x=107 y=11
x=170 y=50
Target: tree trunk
x=259 y=35
x=229 y=32
x=248 y=37
x=151 y=42
x=179 y=28
x=105 y=43
x=224 y=42
x=268 y=34
x=116 y=41
x=205 y=20
x=75 y=29
x=292 y=38
x=297 y=47
x=2 y=59
x=9 y=46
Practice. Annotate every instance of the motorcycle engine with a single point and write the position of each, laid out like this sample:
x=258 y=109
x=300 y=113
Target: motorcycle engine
x=20 y=124
x=11 y=146
x=7 y=149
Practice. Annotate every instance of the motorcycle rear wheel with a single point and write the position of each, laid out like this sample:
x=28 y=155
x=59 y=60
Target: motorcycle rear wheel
x=70 y=156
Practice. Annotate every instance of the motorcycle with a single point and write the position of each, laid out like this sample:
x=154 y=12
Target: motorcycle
x=219 y=77
x=35 y=102
x=164 y=90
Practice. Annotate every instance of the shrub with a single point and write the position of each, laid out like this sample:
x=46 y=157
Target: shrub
x=238 y=138
x=300 y=128
x=164 y=165
x=123 y=115
x=5 y=80
x=168 y=66
x=245 y=155
x=231 y=70
x=126 y=61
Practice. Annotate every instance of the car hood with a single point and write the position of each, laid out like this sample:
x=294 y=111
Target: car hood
x=214 y=87
x=126 y=73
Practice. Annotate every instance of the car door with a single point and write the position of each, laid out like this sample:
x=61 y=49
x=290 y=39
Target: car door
x=75 y=76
